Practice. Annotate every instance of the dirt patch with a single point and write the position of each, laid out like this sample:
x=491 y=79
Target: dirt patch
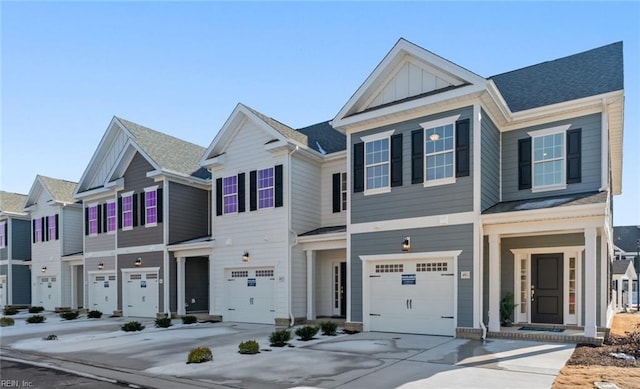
x=589 y=364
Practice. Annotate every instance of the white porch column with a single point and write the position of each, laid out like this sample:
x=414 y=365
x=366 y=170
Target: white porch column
x=180 y=285
x=311 y=296
x=590 y=296
x=494 y=283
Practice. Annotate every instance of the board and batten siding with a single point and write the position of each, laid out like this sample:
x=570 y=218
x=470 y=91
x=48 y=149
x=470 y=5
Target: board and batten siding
x=590 y=177
x=111 y=155
x=457 y=237
x=189 y=212
x=327 y=217
x=305 y=195
x=414 y=200
x=71 y=234
x=149 y=259
x=20 y=239
x=489 y=163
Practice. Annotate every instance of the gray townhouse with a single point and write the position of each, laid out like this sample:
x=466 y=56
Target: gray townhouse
x=15 y=250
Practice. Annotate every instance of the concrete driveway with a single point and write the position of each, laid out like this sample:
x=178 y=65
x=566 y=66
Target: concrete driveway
x=156 y=357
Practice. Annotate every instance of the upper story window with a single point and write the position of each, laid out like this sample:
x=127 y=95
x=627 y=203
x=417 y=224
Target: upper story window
x=230 y=194
x=440 y=151
x=127 y=211
x=265 y=188
x=548 y=160
x=377 y=164
x=343 y=190
x=37 y=230
x=93 y=219
x=3 y=234
x=151 y=206
x=339 y=192
x=111 y=216
x=52 y=227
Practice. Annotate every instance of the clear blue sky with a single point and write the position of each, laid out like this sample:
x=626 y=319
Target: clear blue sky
x=179 y=68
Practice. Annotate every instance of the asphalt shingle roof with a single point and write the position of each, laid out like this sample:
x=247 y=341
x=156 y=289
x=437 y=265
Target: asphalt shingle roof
x=548 y=202
x=625 y=238
x=12 y=202
x=280 y=127
x=61 y=190
x=580 y=75
x=620 y=267
x=325 y=230
x=170 y=153
x=323 y=137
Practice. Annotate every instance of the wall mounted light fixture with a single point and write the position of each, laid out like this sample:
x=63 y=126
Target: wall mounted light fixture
x=44 y=269
x=100 y=266
x=138 y=262
x=406 y=244
x=246 y=257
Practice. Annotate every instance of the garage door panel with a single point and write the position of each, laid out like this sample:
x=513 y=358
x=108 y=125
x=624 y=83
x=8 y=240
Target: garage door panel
x=103 y=293
x=142 y=295
x=250 y=295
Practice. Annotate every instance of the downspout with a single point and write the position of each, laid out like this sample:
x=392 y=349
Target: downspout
x=292 y=319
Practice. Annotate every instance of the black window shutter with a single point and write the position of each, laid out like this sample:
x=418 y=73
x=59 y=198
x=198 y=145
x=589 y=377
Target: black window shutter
x=396 y=160
x=463 y=142
x=6 y=232
x=241 y=203
x=218 y=196
x=253 y=190
x=278 y=186
x=105 y=224
x=100 y=219
x=358 y=167
x=45 y=232
x=119 y=212
x=336 y=190
x=417 y=156
x=86 y=221
x=143 y=212
x=134 y=205
x=159 y=205
x=57 y=227
x=574 y=156
x=33 y=231
x=524 y=163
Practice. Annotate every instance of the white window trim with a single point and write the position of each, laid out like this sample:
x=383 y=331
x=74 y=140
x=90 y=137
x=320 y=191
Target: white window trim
x=52 y=227
x=437 y=123
x=372 y=138
x=39 y=236
x=3 y=238
x=344 y=191
x=273 y=188
x=115 y=205
x=89 y=206
x=150 y=189
x=122 y=196
x=236 y=192
x=545 y=132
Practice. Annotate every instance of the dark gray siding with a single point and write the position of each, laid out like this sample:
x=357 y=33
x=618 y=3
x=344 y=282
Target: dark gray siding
x=590 y=126
x=459 y=237
x=414 y=200
x=3 y=270
x=4 y=253
x=188 y=212
x=152 y=259
x=21 y=239
x=135 y=179
x=489 y=163
x=21 y=280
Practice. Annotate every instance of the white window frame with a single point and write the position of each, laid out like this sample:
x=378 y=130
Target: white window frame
x=38 y=230
x=115 y=216
x=271 y=188
x=123 y=196
x=450 y=120
x=374 y=138
x=51 y=221
x=147 y=207
x=344 y=192
x=543 y=133
x=235 y=194
x=3 y=237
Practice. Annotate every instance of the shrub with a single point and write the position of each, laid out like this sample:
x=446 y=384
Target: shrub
x=51 y=337
x=94 y=314
x=249 y=347
x=163 y=322
x=132 y=326
x=189 y=319
x=36 y=319
x=71 y=315
x=7 y=321
x=307 y=332
x=10 y=311
x=279 y=338
x=199 y=355
x=36 y=309
x=328 y=328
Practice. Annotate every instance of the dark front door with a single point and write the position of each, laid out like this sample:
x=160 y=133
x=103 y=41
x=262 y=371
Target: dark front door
x=343 y=289
x=196 y=280
x=546 y=288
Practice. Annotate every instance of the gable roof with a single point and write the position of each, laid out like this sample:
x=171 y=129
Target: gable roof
x=60 y=191
x=548 y=202
x=585 y=74
x=323 y=138
x=283 y=129
x=621 y=266
x=625 y=238
x=12 y=203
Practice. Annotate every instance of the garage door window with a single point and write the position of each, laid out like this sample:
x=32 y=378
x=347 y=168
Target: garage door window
x=240 y=273
x=432 y=266
x=264 y=273
x=390 y=268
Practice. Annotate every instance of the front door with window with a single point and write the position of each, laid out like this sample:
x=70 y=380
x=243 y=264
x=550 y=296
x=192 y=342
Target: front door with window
x=546 y=288
x=339 y=289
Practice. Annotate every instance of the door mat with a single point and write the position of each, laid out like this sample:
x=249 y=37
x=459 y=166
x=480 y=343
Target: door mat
x=547 y=329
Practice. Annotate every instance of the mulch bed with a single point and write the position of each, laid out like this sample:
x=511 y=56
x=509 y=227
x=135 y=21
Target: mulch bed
x=588 y=355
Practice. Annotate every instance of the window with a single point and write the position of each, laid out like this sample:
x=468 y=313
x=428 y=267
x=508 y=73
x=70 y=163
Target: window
x=439 y=150
x=343 y=191
x=230 y=194
x=37 y=230
x=93 y=219
x=111 y=217
x=127 y=211
x=52 y=227
x=377 y=164
x=3 y=234
x=548 y=160
x=265 y=188
x=151 y=207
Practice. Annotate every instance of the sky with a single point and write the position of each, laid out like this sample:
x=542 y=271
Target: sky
x=66 y=68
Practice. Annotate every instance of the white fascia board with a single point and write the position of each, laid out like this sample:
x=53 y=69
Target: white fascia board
x=411 y=256
x=209 y=244
x=336 y=236
x=233 y=120
x=179 y=177
x=414 y=222
x=544 y=227
x=218 y=160
x=500 y=102
x=96 y=192
x=335 y=156
x=572 y=211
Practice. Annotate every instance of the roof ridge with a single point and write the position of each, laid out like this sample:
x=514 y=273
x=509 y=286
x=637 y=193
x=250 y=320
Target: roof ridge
x=56 y=179
x=156 y=131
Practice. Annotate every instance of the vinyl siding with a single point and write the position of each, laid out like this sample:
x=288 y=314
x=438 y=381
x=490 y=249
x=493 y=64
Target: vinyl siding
x=20 y=239
x=152 y=259
x=189 y=212
x=298 y=282
x=590 y=126
x=103 y=241
x=305 y=195
x=327 y=217
x=4 y=253
x=72 y=233
x=459 y=237
x=414 y=200
x=65 y=284
x=490 y=163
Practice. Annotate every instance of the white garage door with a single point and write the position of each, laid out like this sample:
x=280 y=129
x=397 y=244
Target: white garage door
x=3 y=291
x=412 y=297
x=47 y=292
x=103 y=293
x=250 y=295
x=140 y=294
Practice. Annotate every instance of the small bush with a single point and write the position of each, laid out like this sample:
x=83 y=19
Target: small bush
x=279 y=338
x=51 y=337
x=36 y=309
x=249 y=347
x=164 y=322
x=132 y=326
x=94 y=314
x=328 y=328
x=10 y=311
x=36 y=319
x=307 y=332
x=199 y=355
x=6 y=321
x=189 y=319
x=71 y=315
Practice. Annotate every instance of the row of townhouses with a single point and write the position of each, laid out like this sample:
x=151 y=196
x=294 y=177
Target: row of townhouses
x=432 y=194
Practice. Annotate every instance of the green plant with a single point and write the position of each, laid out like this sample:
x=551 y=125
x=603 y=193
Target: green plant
x=328 y=328
x=94 y=314
x=36 y=309
x=189 y=319
x=51 y=337
x=10 y=311
x=6 y=321
x=249 y=347
x=163 y=322
x=507 y=305
x=199 y=355
x=71 y=315
x=279 y=338
x=36 y=319
x=132 y=326
x=307 y=332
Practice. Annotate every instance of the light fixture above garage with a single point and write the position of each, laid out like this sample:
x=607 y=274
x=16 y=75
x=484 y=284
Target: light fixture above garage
x=246 y=257
x=406 y=244
x=44 y=269
x=100 y=266
x=138 y=262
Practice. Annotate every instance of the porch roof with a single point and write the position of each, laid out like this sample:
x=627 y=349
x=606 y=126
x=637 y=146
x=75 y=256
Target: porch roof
x=621 y=266
x=325 y=230
x=563 y=200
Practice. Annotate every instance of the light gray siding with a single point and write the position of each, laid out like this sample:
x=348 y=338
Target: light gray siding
x=189 y=212
x=459 y=237
x=413 y=200
x=489 y=163
x=305 y=195
x=4 y=253
x=590 y=126
x=152 y=259
x=71 y=234
x=20 y=239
